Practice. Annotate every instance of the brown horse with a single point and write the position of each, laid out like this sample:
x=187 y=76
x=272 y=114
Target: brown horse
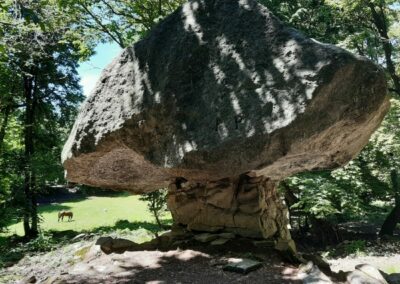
x=63 y=214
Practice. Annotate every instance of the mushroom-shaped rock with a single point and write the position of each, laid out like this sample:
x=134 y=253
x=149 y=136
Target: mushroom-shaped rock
x=219 y=103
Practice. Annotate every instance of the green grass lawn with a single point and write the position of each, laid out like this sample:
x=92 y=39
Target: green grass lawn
x=93 y=213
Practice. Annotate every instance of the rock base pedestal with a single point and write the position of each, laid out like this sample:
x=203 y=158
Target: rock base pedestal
x=247 y=206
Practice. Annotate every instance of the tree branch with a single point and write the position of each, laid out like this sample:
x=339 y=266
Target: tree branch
x=117 y=38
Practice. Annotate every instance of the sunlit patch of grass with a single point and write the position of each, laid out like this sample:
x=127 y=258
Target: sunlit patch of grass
x=122 y=216
x=92 y=213
x=392 y=269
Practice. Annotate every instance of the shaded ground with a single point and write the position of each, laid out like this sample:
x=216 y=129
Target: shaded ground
x=82 y=262
x=13 y=248
x=185 y=262
x=175 y=266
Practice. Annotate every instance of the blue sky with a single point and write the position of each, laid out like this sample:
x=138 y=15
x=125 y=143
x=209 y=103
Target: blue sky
x=90 y=71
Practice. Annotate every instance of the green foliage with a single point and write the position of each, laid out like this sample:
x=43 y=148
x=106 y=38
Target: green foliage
x=13 y=249
x=44 y=242
x=317 y=19
x=363 y=188
x=156 y=203
x=367 y=27
x=321 y=196
x=123 y=22
x=5 y=215
x=311 y=200
x=354 y=247
x=40 y=47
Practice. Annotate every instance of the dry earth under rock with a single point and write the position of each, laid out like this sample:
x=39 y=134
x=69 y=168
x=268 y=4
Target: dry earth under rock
x=194 y=262
x=84 y=263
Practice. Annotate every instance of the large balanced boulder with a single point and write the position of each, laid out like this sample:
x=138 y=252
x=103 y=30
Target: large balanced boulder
x=219 y=103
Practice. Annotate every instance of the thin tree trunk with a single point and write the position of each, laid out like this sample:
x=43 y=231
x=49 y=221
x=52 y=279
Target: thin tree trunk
x=157 y=219
x=27 y=153
x=290 y=198
x=390 y=222
x=389 y=225
x=155 y=213
x=4 y=125
x=7 y=113
x=379 y=20
x=324 y=231
x=27 y=226
x=34 y=214
x=29 y=186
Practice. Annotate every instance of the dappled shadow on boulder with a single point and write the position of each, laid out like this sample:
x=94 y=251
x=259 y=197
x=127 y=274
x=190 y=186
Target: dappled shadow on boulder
x=217 y=89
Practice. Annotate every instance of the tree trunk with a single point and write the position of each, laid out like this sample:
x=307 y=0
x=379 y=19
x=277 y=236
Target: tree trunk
x=29 y=185
x=390 y=222
x=34 y=214
x=290 y=197
x=379 y=20
x=4 y=125
x=159 y=7
x=7 y=112
x=27 y=226
x=157 y=219
x=324 y=232
x=389 y=225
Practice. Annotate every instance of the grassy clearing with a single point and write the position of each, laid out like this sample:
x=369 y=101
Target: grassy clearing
x=94 y=213
x=119 y=216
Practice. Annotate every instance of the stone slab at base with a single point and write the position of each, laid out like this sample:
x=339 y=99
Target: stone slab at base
x=243 y=266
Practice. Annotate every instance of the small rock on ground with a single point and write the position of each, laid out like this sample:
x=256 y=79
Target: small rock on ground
x=371 y=272
x=219 y=242
x=206 y=237
x=243 y=266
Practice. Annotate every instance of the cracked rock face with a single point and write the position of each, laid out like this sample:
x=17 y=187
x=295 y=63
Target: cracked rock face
x=247 y=206
x=218 y=89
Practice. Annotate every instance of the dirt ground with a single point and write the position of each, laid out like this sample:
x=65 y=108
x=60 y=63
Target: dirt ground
x=177 y=266
x=84 y=262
